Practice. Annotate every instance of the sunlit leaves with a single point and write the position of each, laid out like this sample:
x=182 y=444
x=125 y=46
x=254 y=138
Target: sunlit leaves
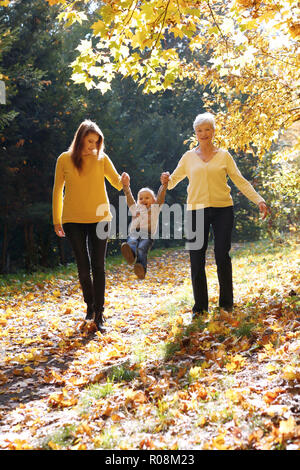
x=244 y=50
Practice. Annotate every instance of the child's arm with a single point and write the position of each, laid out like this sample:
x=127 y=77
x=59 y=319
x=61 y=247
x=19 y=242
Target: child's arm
x=160 y=198
x=129 y=197
x=127 y=191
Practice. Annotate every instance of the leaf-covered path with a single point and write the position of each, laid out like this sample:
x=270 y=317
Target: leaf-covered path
x=155 y=379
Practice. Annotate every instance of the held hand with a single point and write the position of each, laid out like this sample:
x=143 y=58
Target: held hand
x=125 y=178
x=59 y=230
x=263 y=209
x=164 y=177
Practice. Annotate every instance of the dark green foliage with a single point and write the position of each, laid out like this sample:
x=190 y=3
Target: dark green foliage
x=144 y=134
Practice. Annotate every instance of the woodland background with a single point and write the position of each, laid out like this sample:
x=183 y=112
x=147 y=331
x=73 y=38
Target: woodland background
x=155 y=379
x=145 y=133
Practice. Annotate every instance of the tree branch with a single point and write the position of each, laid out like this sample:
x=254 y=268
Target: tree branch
x=216 y=23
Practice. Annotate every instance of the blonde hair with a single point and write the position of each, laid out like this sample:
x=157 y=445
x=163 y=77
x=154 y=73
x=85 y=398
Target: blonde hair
x=148 y=191
x=204 y=118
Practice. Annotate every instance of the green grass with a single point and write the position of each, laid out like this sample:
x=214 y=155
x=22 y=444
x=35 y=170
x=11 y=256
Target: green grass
x=172 y=347
x=22 y=279
x=264 y=247
x=63 y=437
x=93 y=393
x=121 y=374
x=245 y=329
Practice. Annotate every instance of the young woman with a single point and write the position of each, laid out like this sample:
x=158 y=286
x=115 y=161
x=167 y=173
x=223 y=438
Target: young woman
x=83 y=213
x=207 y=168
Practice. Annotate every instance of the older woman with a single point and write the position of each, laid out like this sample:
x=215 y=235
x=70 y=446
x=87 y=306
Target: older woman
x=207 y=168
x=83 y=213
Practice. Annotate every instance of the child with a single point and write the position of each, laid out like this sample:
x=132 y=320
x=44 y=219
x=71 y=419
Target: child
x=145 y=215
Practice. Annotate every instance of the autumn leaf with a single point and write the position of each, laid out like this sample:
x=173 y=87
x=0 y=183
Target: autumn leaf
x=287 y=427
x=3 y=378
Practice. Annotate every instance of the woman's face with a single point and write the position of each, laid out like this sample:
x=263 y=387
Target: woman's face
x=205 y=133
x=90 y=143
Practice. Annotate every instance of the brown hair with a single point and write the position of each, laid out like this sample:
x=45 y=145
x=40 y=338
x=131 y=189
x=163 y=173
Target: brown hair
x=83 y=130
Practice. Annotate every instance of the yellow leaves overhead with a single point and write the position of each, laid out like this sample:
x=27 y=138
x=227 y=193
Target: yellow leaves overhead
x=250 y=49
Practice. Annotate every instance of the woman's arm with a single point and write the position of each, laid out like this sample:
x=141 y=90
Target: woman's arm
x=178 y=174
x=245 y=187
x=111 y=173
x=57 y=198
x=242 y=184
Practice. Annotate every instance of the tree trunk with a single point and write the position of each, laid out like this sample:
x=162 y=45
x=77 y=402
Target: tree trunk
x=61 y=249
x=3 y=268
x=29 y=244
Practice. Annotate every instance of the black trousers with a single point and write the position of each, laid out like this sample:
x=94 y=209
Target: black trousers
x=140 y=247
x=90 y=253
x=221 y=220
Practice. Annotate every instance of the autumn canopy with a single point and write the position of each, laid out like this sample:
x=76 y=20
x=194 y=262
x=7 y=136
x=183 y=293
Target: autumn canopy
x=244 y=51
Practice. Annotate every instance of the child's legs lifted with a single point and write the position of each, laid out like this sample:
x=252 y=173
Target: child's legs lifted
x=143 y=246
x=133 y=242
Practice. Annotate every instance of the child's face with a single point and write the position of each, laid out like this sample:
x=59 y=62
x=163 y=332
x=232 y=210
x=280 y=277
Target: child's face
x=146 y=198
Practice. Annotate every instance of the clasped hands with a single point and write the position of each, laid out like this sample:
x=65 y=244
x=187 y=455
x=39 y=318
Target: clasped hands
x=125 y=179
x=164 y=177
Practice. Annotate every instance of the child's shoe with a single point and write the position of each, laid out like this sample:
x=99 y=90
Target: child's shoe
x=127 y=253
x=139 y=270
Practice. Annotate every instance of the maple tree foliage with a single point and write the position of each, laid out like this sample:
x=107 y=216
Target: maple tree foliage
x=245 y=51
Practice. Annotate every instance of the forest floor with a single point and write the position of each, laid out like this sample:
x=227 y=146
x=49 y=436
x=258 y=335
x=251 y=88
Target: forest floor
x=155 y=379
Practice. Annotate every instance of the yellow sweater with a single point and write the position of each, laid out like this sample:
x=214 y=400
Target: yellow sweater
x=208 y=181
x=85 y=191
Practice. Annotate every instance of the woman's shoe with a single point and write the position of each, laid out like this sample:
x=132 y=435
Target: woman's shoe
x=90 y=312
x=127 y=253
x=99 y=320
x=139 y=270
x=227 y=308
